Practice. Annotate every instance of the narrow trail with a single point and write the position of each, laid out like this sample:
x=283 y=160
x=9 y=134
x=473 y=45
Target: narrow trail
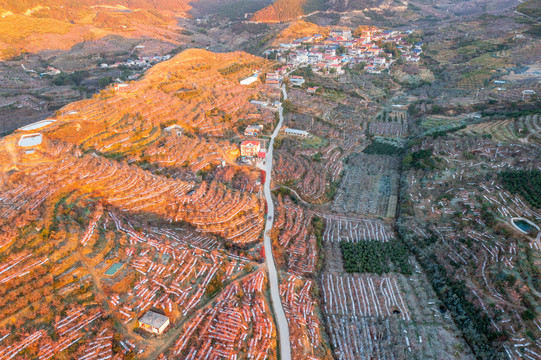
x=280 y=316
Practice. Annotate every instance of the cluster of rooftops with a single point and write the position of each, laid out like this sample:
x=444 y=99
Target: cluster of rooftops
x=341 y=48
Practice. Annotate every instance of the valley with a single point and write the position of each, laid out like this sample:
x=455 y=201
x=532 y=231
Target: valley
x=286 y=180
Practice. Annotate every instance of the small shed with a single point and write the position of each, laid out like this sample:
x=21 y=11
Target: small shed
x=297 y=132
x=154 y=322
x=249 y=80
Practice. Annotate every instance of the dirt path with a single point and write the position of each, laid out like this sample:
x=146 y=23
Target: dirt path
x=298 y=196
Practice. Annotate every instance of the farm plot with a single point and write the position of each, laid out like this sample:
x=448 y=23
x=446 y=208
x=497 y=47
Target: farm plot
x=237 y=324
x=168 y=268
x=302 y=312
x=369 y=186
x=195 y=91
x=442 y=124
x=189 y=152
x=296 y=240
x=375 y=257
x=374 y=317
x=387 y=128
x=294 y=237
x=309 y=172
x=526 y=129
x=474 y=80
x=177 y=284
x=92 y=337
x=362 y=296
x=311 y=182
x=341 y=228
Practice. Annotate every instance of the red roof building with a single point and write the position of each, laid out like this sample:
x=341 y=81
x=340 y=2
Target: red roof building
x=249 y=148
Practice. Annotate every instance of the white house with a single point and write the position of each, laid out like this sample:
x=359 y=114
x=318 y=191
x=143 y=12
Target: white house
x=154 y=322
x=379 y=61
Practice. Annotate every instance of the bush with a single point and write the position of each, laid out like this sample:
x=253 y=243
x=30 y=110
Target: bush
x=74 y=78
x=379 y=148
x=104 y=81
x=215 y=285
x=421 y=159
x=287 y=105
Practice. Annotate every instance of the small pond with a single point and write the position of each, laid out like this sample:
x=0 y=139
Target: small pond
x=30 y=140
x=114 y=268
x=524 y=225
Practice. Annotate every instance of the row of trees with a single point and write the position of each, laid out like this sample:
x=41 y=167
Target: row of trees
x=375 y=257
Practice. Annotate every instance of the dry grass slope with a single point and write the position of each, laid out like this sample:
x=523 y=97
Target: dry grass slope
x=280 y=11
x=300 y=29
x=33 y=26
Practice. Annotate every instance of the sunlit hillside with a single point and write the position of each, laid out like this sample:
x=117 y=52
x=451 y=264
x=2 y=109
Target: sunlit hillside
x=97 y=202
x=280 y=10
x=33 y=26
x=300 y=29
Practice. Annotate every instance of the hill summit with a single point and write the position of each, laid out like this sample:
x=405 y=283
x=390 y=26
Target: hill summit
x=34 y=26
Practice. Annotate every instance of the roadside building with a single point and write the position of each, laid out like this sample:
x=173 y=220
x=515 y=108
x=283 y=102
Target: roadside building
x=272 y=76
x=273 y=82
x=249 y=148
x=154 y=322
x=296 y=80
x=297 y=132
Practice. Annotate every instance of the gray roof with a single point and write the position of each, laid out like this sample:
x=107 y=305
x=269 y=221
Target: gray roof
x=296 y=131
x=153 y=319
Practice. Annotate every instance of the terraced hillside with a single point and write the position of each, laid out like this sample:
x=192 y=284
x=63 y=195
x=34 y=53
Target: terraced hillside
x=525 y=129
x=287 y=10
x=117 y=206
x=299 y=29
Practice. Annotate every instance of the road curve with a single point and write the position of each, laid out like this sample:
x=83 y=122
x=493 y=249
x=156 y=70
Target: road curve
x=279 y=314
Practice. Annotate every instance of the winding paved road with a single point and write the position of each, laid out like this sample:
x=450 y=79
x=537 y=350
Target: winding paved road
x=280 y=316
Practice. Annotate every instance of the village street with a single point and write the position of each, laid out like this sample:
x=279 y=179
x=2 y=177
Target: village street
x=280 y=316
